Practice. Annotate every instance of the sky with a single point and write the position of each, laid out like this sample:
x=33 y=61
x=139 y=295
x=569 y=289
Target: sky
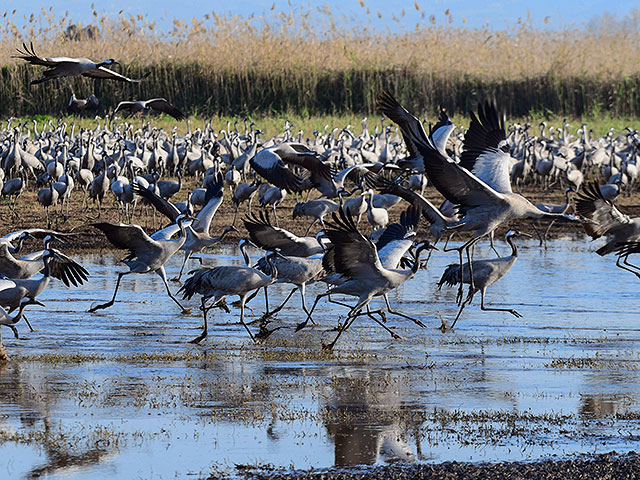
x=498 y=14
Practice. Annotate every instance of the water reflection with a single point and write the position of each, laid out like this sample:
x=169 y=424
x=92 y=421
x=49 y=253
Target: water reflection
x=361 y=420
x=27 y=400
x=483 y=392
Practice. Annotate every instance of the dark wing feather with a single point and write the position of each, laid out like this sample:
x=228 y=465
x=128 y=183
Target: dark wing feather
x=162 y=105
x=429 y=211
x=411 y=128
x=270 y=166
x=457 y=184
x=163 y=206
x=485 y=132
x=355 y=255
x=131 y=107
x=407 y=228
x=66 y=269
x=627 y=248
x=298 y=154
x=29 y=54
x=128 y=237
x=600 y=216
x=266 y=236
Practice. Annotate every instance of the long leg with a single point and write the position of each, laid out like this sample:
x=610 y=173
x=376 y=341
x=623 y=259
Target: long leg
x=242 y=300
x=205 y=310
x=163 y=275
x=464 y=304
x=268 y=313
x=496 y=309
x=311 y=226
x=625 y=265
x=301 y=325
x=115 y=292
x=395 y=312
x=347 y=323
x=187 y=254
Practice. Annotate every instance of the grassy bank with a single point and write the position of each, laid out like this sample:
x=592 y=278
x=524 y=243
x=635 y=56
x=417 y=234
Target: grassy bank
x=309 y=62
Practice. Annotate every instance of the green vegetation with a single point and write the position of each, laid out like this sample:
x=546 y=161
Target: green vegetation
x=311 y=62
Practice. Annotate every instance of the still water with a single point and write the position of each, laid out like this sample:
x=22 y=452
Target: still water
x=121 y=394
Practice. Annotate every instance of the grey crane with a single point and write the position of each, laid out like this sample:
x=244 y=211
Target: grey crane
x=146 y=253
x=270 y=163
x=13 y=188
x=219 y=282
x=80 y=105
x=485 y=207
x=268 y=237
x=356 y=257
x=316 y=209
x=71 y=67
x=243 y=192
x=157 y=104
x=378 y=217
x=198 y=237
x=393 y=244
x=486 y=272
x=168 y=188
x=600 y=218
x=48 y=197
x=56 y=264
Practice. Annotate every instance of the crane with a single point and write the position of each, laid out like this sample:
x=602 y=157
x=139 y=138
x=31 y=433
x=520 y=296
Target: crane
x=486 y=272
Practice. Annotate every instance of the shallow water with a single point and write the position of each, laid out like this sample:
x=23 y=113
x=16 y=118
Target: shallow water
x=121 y=393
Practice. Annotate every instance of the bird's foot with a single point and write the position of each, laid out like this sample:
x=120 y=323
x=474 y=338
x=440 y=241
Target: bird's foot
x=175 y=279
x=515 y=314
x=186 y=311
x=301 y=325
x=443 y=325
x=265 y=333
x=15 y=331
x=199 y=338
x=328 y=347
x=99 y=307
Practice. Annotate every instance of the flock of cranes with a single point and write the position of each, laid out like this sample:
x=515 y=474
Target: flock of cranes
x=356 y=179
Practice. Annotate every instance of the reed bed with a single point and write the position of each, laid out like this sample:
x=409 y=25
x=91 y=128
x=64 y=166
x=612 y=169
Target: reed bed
x=312 y=62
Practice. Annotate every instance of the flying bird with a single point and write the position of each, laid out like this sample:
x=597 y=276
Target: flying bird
x=72 y=67
x=159 y=104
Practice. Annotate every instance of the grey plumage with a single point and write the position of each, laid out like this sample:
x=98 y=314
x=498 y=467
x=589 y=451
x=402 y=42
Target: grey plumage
x=485 y=273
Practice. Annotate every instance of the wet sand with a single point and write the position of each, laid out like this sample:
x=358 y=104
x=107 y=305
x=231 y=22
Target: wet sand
x=31 y=214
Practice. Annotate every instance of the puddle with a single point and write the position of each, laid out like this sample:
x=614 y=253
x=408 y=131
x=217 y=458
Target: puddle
x=121 y=393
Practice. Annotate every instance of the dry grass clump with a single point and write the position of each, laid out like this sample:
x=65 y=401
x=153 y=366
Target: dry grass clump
x=313 y=61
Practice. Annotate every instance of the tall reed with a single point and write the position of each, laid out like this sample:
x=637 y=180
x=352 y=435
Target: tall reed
x=309 y=61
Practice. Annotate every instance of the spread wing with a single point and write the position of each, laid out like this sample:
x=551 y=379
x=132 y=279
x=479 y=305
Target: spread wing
x=600 y=216
x=485 y=151
x=104 y=72
x=268 y=237
x=457 y=184
x=66 y=269
x=29 y=54
x=212 y=200
x=128 y=237
x=270 y=166
x=162 y=105
x=354 y=254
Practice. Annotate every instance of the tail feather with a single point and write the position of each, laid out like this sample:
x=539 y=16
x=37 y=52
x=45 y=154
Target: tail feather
x=451 y=276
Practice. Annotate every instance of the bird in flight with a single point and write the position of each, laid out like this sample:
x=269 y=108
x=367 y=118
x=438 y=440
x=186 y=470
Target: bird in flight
x=71 y=67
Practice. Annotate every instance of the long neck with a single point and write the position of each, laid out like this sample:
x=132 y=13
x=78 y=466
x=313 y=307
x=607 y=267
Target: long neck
x=274 y=270
x=514 y=249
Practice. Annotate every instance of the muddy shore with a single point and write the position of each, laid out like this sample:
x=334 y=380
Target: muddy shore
x=593 y=467
x=31 y=214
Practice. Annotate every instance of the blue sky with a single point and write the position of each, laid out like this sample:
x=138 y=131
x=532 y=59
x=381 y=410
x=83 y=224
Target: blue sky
x=499 y=14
